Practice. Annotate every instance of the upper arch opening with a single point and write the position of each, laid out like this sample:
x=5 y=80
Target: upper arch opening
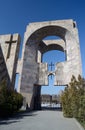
x=52 y=38
x=43 y=32
x=43 y=48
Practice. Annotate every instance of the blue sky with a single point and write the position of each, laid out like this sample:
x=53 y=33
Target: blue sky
x=16 y=14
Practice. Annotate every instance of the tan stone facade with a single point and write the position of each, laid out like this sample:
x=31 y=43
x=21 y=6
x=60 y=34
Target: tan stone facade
x=33 y=72
x=10 y=49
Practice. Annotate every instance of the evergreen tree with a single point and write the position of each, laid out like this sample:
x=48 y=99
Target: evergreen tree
x=10 y=100
x=73 y=99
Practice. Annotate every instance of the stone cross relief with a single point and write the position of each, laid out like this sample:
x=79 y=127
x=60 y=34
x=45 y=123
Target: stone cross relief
x=10 y=43
x=51 y=66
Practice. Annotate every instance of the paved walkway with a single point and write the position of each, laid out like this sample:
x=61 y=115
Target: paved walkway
x=40 y=120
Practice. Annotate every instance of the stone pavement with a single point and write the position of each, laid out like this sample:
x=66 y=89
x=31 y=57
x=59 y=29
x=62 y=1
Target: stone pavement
x=40 y=120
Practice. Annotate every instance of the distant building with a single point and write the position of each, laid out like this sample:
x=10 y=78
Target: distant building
x=46 y=98
x=54 y=99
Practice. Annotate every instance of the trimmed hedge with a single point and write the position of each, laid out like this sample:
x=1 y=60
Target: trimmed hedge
x=10 y=100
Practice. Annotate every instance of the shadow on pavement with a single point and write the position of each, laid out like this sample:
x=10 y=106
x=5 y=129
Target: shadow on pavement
x=16 y=117
x=20 y=115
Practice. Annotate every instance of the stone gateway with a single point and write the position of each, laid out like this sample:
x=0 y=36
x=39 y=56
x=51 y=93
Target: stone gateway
x=33 y=73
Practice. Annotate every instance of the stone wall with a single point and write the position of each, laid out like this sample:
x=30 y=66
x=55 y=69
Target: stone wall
x=33 y=71
x=10 y=48
x=3 y=69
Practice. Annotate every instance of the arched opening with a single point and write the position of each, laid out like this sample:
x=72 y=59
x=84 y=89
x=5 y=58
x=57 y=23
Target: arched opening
x=50 y=95
x=35 y=48
x=52 y=38
x=34 y=72
x=55 y=41
x=45 y=31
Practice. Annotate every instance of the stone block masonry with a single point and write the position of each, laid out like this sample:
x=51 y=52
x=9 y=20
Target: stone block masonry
x=33 y=73
x=10 y=48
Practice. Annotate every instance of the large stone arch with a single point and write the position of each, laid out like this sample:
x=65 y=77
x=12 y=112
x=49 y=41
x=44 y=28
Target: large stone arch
x=34 y=72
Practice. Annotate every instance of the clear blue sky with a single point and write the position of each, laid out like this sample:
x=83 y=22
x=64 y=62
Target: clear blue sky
x=16 y=14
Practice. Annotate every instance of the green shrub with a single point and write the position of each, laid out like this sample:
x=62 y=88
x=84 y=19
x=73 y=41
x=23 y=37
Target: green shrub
x=10 y=100
x=73 y=99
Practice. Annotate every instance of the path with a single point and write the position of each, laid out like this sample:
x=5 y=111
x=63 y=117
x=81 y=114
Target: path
x=40 y=120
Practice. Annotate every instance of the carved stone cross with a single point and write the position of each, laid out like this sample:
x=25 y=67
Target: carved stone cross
x=51 y=65
x=10 y=43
